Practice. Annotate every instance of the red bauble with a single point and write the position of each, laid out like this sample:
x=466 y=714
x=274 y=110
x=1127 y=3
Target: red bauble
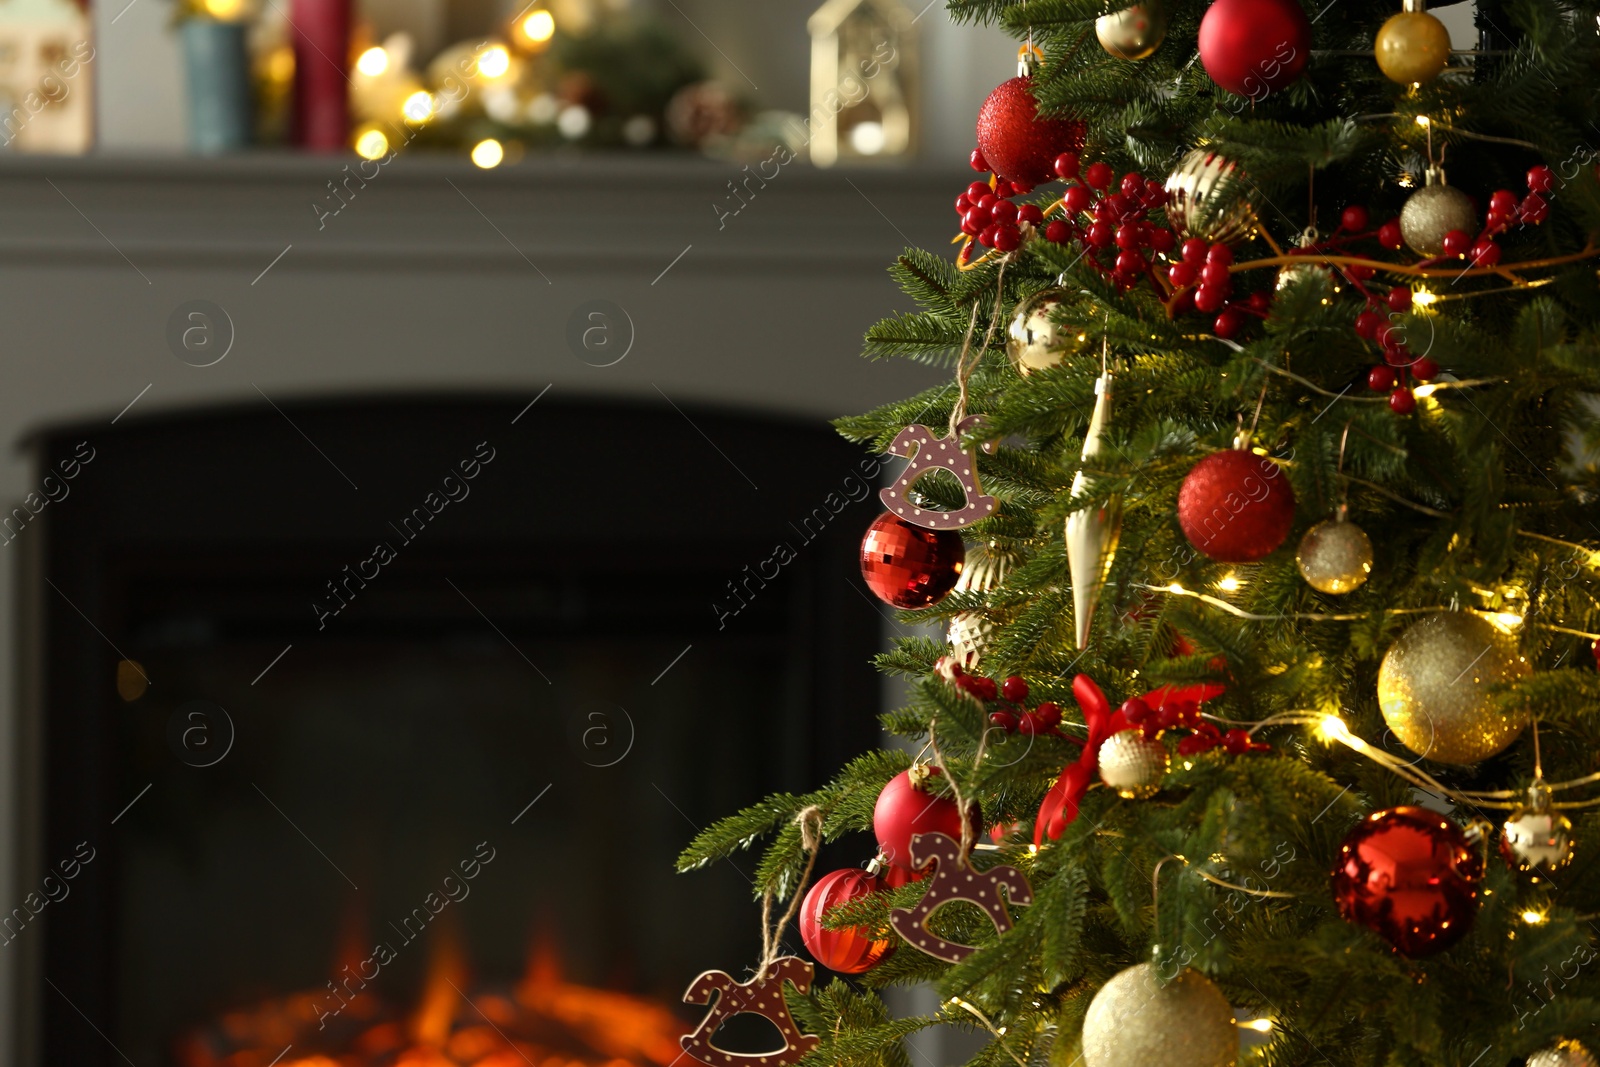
x=851 y=950
x=1236 y=506
x=910 y=566
x=1252 y=47
x=904 y=811
x=1017 y=144
x=1410 y=876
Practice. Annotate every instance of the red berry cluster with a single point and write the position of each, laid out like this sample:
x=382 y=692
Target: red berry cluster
x=1112 y=225
x=1201 y=280
x=988 y=214
x=1185 y=714
x=1012 y=694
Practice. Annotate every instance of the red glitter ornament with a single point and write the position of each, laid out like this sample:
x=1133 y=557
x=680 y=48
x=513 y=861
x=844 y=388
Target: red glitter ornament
x=1236 y=506
x=905 y=809
x=853 y=949
x=1410 y=876
x=1019 y=145
x=910 y=566
x=1252 y=47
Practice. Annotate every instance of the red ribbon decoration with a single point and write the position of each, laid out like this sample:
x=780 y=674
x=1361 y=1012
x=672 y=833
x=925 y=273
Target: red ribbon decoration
x=1060 y=806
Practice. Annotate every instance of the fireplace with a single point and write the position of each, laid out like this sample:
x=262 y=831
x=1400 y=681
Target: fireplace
x=354 y=708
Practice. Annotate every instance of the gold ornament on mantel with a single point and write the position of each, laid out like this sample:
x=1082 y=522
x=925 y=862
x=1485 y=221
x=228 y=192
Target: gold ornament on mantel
x=1433 y=688
x=1136 y=1021
x=1433 y=211
x=1134 y=32
x=1413 y=46
x=1335 y=556
x=1566 y=1054
x=1201 y=179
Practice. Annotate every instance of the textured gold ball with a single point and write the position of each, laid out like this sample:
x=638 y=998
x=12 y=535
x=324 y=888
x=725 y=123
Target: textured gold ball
x=1434 y=685
x=1566 y=1054
x=1134 y=1021
x=1412 y=46
x=970 y=631
x=1035 y=341
x=1334 y=557
x=1134 y=32
x=1196 y=193
x=1133 y=764
x=1433 y=211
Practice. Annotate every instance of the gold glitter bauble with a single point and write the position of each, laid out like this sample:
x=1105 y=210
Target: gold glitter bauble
x=1133 y=764
x=1036 y=341
x=1334 y=556
x=1537 y=837
x=1566 y=1054
x=1413 y=46
x=1194 y=190
x=1433 y=211
x=1434 y=685
x=969 y=631
x=1134 y=1021
x=1134 y=32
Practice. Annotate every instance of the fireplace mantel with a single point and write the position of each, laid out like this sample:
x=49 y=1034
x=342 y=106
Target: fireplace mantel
x=436 y=279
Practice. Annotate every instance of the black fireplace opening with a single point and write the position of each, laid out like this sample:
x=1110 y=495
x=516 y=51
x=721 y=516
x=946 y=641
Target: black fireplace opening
x=371 y=730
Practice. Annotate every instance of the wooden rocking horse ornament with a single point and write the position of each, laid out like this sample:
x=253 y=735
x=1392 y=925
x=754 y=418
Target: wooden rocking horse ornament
x=762 y=995
x=954 y=880
x=929 y=453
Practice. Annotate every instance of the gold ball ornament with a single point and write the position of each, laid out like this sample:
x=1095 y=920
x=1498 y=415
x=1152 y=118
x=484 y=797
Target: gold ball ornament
x=1413 y=46
x=1566 y=1054
x=1035 y=339
x=1196 y=194
x=1434 y=686
x=1135 y=1021
x=1310 y=267
x=1335 y=557
x=1433 y=211
x=1537 y=837
x=970 y=631
x=1133 y=764
x=1134 y=32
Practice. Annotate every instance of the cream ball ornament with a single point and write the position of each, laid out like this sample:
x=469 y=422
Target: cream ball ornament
x=1335 y=556
x=1135 y=1021
x=1133 y=764
x=1433 y=688
x=1433 y=211
x=1566 y=1054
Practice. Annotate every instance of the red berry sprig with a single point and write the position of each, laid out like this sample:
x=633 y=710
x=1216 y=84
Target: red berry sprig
x=1012 y=716
x=1185 y=714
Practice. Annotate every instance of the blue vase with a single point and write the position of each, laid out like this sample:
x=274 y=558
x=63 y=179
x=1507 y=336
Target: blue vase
x=220 y=115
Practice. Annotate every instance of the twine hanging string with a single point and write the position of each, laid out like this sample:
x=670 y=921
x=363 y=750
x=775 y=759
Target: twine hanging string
x=969 y=360
x=809 y=820
x=963 y=802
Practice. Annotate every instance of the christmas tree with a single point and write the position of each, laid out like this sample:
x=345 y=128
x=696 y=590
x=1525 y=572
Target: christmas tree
x=1264 y=553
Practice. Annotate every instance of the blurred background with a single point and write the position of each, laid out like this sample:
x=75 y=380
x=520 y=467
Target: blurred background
x=270 y=272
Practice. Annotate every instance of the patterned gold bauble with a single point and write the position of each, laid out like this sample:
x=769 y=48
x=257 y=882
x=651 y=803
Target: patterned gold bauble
x=1537 y=837
x=1196 y=193
x=1413 y=46
x=1133 y=764
x=1035 y=341
x=1433 y=211
x=1434 y=686
x=1566 y=1054
x=1334 y=556
x=970 y=631
x=1135 y=1021
x=1134 y=32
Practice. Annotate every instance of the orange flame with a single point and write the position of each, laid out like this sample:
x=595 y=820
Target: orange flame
x=441 y=990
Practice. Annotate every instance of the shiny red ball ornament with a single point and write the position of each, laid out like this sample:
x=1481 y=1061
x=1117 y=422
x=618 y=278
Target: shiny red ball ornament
x=1236 y=506
x=910 y=566
x=1253 y=47
x=905 y=810
x=851 y=950
x=1017 y=144
x=1410 y=876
